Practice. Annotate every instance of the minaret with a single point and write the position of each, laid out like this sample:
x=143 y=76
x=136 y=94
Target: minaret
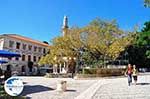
x=65 y=26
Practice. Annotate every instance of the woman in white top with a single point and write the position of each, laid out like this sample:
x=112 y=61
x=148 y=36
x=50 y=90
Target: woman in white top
x=134 y=74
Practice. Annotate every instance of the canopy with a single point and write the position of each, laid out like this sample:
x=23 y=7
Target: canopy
x=4 y=53
x=3 y=62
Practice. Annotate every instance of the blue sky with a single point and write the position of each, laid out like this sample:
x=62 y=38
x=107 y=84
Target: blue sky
x=42 y=19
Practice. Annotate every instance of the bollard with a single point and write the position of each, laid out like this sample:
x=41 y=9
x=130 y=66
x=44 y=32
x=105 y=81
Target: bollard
x=62 y=86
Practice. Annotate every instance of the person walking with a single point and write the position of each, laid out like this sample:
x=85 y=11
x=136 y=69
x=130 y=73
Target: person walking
x=129 y=74
x=7 y=73
x=134 y=73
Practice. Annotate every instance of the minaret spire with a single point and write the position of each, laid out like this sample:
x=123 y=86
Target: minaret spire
x=65 y=26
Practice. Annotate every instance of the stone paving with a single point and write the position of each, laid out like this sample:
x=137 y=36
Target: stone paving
x=118 y=89
x=99 y=88
x=44 y=88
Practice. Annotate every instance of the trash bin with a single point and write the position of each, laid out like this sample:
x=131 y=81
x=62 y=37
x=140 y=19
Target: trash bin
x=62 y=86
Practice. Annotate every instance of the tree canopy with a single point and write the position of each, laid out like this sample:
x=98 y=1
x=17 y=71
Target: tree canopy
x=144 y=36
x=99 y=40
x=147 y=3
x=140 y=51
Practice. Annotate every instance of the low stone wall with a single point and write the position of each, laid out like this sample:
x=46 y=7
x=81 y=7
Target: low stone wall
x=101 y=72
x=92 y=72
x=52 y=75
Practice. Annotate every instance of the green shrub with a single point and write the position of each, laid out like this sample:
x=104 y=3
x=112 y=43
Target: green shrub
x=4 y=95
x=86 y=75
x=89 y=71
x=104 y=72
x=48 y=75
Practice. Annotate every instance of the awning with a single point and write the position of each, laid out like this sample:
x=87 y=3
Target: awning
x=3 y=62
x=4 y=53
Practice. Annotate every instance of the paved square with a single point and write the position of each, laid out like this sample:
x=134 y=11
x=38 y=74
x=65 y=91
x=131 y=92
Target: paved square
x=99 y=88
x=119 y=89
x=44 y=88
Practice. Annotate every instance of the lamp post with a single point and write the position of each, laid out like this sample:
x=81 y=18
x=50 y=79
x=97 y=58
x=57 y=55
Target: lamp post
x=78 y=60
x=126 y=57
x=68 y=60
x=84 y=38
x=77 y=65
x=55 y=66
x=71 y=68
x=65 y=63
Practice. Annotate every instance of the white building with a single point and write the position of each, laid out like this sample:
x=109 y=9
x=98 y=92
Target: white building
x=29 y=49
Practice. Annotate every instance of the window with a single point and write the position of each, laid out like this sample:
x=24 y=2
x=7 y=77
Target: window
x=17 y=58
x=40 y=49
x=23 y=58
x=30 y=47
x=9 y=58
x=44 y=50
x=35 y=48
x=17 y=45
x=23 y=69
x=34 y=58
x=29 y=58
x=11 y=43
x=24 y=46
x=39 y=58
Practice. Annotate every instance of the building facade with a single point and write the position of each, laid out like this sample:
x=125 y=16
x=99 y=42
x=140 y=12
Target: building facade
x=30 y=50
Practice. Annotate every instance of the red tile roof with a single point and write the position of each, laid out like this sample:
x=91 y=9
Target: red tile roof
x=19 y=37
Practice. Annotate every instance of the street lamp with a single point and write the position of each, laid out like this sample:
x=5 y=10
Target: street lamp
x=78 y=58
x=70 y=58
x=65 y=58
x=74 y=58
x=126 y=57
x=65 y=63
x=55 y=66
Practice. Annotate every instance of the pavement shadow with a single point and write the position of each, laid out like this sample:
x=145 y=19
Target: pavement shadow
x=28 y=98
x=24 y=82
x=70 y=90
x=34 y=89
x=143 y=84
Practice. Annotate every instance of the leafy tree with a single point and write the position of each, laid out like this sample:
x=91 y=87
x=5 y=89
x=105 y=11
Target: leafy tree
x=106 y=40
x=97 y=41
x=140 y=51
x=146 y=27
x=147 y=3
x=144 y=38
